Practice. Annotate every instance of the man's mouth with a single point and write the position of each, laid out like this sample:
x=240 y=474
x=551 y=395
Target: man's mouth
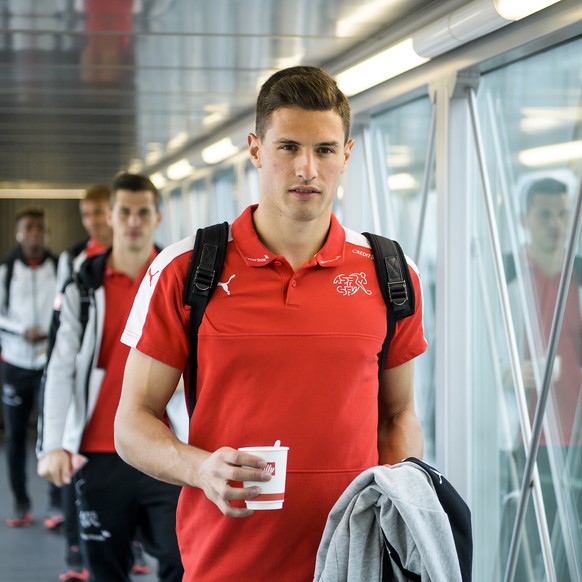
x=304 y=190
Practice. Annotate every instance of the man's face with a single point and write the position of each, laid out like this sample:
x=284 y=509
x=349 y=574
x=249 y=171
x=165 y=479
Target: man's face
x=300 y=161
x=31 y=233
x=547 y=221
x=94 y=218
x=134 y=219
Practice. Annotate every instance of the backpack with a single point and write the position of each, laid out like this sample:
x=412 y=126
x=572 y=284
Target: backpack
x=207 y=261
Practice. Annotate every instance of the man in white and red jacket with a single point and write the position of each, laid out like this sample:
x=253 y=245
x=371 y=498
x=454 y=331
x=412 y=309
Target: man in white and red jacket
x=27 y=291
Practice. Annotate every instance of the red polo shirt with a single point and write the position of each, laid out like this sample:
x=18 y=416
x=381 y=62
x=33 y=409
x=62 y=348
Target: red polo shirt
x=120 y=291
x=282 y=355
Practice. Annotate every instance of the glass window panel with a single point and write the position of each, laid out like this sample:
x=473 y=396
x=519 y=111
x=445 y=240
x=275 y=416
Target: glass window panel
x=162 y=236
x=198 y=205
x=175 y=214
x=530 y=114
x=399 y=139
x=223 y=200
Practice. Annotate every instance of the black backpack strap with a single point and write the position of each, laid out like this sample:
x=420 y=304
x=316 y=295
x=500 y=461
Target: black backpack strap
x=8 y=260
x=395 y=283
x=205 y=267
x=9 y=270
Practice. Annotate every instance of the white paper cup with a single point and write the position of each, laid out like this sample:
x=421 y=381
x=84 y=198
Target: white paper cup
x=272 y=492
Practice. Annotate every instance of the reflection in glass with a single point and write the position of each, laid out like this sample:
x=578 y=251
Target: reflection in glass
x=521 y=113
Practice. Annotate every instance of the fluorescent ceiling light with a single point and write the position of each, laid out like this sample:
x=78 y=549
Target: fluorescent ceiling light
x=40 y=193
x=158 y=180
x=177 y=141
x=135 y=166
x=538 y=119
x=179 y=170
x=213 y=118
x=552 y=154
x=539 y=124
x=399 y=156
x=402 y=181
x=389 y=63
x=360 y=17
x=219 y=151
x=154 y=153
x=518 y=9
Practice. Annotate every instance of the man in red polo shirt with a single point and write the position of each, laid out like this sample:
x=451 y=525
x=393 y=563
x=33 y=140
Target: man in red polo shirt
x=82 y=390
x=288 y=349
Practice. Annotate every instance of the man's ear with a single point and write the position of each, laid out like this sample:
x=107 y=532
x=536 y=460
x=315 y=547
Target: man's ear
x=347 y=152
x=254 y=145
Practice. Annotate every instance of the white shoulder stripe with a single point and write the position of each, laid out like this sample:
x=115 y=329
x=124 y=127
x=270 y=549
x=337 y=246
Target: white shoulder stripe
x=137 y=317
x=176 y=249
x=141 y=303
x=172 y=251
x=356 y=238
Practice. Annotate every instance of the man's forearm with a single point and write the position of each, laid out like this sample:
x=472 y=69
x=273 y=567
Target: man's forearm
x=399 y=438
x=145 y=442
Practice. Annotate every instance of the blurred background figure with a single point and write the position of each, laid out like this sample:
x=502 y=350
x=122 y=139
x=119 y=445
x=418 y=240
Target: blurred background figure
x=93 y=207
x=27 y=291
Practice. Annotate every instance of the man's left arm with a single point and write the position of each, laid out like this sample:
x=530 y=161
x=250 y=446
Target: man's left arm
x=399 y=429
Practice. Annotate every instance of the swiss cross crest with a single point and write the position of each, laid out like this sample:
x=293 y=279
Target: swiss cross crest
x=350 y=284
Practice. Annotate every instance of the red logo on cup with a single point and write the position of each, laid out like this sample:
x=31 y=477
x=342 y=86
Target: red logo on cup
x=270 y=468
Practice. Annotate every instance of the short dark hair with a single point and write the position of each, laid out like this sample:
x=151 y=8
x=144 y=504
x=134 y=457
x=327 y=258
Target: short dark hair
x=302 y=87
x=32 y=211
x=98 y=192
x=135 y=183
x=549 y=186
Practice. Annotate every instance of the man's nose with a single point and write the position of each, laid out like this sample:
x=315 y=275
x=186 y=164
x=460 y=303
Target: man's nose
x=134 y=220
x=307 y=166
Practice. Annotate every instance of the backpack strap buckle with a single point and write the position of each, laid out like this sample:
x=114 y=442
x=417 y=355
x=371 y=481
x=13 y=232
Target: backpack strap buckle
x=205 y=271
x=398 y=292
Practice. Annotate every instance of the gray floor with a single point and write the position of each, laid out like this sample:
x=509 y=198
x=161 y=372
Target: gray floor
x=33 y=554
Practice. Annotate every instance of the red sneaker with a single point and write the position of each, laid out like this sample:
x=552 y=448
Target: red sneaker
x=140 y=569
x=74 y=574
x=54 y=519
x=139 y=563
x=20 y=519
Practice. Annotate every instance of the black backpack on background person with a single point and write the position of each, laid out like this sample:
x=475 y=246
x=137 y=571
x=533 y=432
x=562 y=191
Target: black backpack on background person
x=207 y=261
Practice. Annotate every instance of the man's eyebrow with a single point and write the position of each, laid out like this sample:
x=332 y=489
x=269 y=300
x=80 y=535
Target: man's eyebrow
x=289 y=141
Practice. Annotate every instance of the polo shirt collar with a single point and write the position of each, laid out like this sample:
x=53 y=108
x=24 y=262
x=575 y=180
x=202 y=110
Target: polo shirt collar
x=255 y=254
